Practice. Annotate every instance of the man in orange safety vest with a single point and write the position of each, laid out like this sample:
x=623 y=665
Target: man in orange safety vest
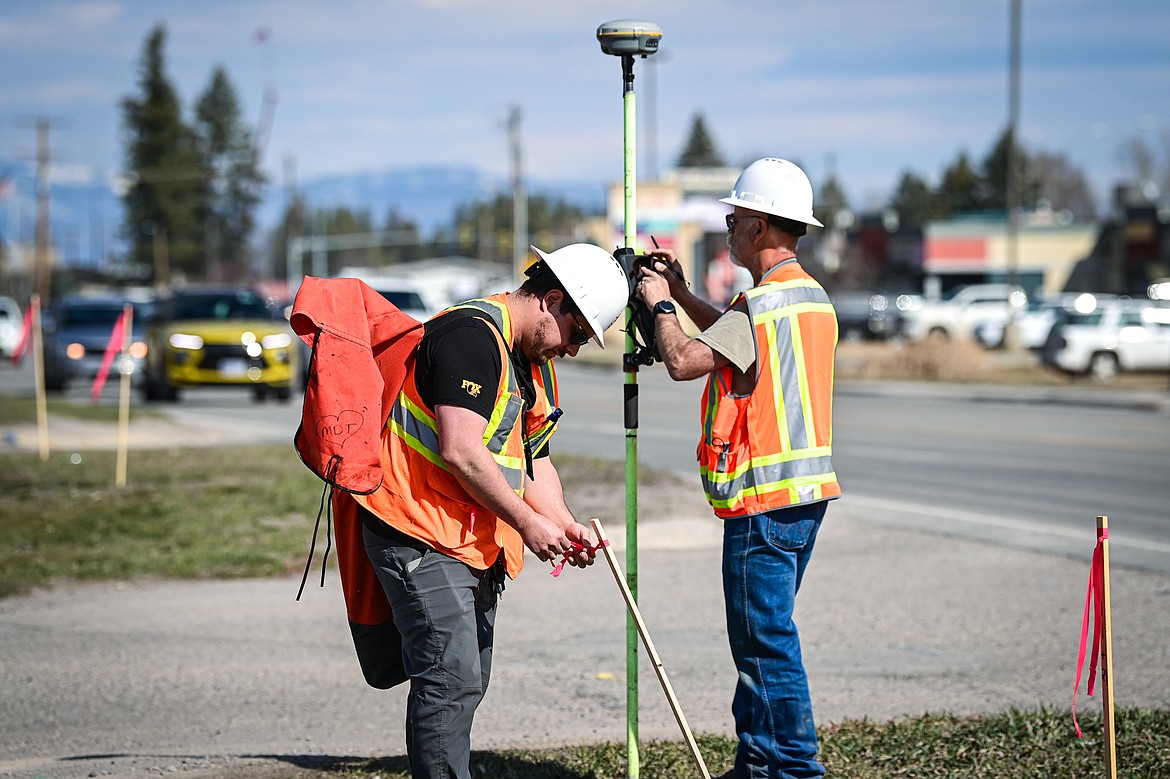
x=468 y=483
x=765 y=455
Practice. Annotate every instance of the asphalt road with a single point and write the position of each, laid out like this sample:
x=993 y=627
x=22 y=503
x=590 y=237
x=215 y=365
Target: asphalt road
x=1025 y=466
x=951 y=577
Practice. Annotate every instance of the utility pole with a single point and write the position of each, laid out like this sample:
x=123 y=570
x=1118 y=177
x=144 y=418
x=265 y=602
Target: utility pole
x=292 y=217
x=1011 y=339
x=44 y=269
x=519 y=196
x=43 y=247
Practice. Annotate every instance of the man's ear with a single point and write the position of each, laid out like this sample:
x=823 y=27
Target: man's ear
x=759 y=229
x=554 y=297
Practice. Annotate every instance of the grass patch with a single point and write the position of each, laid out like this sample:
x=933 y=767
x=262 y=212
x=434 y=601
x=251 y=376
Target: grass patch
x=966 y=362
x=940 y=360
x=185 y=514
x=1011 y=745
x=20 y=410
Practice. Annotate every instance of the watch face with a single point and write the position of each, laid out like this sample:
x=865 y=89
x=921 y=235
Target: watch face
x=664 y=307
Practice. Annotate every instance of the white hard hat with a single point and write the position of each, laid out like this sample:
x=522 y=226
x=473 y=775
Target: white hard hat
x=777 y=187
x=594 y=280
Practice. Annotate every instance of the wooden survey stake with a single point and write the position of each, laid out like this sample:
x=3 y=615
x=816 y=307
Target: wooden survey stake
x=653 y=653
x=1106 y=651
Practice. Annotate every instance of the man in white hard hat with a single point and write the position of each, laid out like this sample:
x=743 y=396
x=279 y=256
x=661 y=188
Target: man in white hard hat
x=469 y=483
x=765 y=456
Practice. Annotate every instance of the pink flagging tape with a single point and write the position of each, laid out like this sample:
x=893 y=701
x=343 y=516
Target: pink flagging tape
x=559 y=565
x=1095 y=601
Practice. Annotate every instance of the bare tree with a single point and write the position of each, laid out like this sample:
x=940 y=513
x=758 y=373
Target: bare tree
x=1142 y=163
x=1062 y=186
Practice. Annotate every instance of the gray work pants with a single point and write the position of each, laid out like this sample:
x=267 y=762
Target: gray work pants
x=446 y=613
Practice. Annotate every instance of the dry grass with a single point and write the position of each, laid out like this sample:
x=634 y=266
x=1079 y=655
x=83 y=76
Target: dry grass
x=964 y=362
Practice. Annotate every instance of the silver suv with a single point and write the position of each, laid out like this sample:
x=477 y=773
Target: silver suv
x=1111 y=336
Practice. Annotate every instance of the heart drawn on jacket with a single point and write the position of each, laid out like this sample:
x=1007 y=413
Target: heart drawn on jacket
x=337 y=428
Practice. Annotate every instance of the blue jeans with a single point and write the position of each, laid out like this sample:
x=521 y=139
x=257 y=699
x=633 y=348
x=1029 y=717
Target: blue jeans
x=764 y=557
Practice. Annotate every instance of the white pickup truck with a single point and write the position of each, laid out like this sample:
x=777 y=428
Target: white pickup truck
x=957 y=316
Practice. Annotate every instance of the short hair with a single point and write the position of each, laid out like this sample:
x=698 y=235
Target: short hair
x=790 y=226
x=540 y=280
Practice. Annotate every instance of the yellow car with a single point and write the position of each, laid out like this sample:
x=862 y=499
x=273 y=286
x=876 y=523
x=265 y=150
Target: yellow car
x=218 y=336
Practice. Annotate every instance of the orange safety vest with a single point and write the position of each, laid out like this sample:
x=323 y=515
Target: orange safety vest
x=773 y=448
x=422 y=498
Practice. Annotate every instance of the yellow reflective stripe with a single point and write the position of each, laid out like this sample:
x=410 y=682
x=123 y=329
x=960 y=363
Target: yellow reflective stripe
x=513 y=470
x=778 y=401
x=417 y=428
x=792 y=309
x=810 y=432
x=812 y=484
x=791 y=456
x=496 y=310
x=494 y=424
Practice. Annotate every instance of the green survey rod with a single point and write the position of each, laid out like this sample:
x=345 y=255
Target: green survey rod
x=631 y=425
x=627 y=38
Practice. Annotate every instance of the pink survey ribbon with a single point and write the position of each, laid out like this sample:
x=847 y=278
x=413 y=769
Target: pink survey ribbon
x=560 y=565
x=1094 y=595
x=117 y=338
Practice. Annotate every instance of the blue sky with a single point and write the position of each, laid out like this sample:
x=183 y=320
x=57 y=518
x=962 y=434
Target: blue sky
x=867 y=88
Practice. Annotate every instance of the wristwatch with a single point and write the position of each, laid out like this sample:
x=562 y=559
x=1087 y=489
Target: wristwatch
x=664 y=307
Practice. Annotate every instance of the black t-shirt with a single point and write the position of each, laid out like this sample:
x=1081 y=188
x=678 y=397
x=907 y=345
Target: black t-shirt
x=458 y=364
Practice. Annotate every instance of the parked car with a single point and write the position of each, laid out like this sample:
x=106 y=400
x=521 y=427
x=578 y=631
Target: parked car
x=1111 y=336
x=1035 y=322
x=11 y=323
x=866 y=315
x=413 y=296
x=219 y=336
x=957 y=317
x=77 y=331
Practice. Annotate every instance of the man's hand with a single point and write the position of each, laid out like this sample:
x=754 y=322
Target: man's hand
x=664 y=263
x=544 y=537
x=461 y=447
x=582 y=536
x=652 y=287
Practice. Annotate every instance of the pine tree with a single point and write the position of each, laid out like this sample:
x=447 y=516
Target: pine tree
x=226 y=146
x=700 y=151
x=913 y=201
x=994 y=176
x=167 y=204
x=961 y=189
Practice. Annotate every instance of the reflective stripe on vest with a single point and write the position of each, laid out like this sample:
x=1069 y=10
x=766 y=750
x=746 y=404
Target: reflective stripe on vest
x=537 y=437
x=773 y=448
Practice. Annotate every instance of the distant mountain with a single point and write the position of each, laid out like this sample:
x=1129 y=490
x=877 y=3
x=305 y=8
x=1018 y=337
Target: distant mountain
x=87 y=218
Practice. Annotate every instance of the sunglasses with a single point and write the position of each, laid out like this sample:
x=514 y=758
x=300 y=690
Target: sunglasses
x=580 y=334
x=731 y=219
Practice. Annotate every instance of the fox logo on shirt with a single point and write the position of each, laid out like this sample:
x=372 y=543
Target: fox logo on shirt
x=472 y=388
